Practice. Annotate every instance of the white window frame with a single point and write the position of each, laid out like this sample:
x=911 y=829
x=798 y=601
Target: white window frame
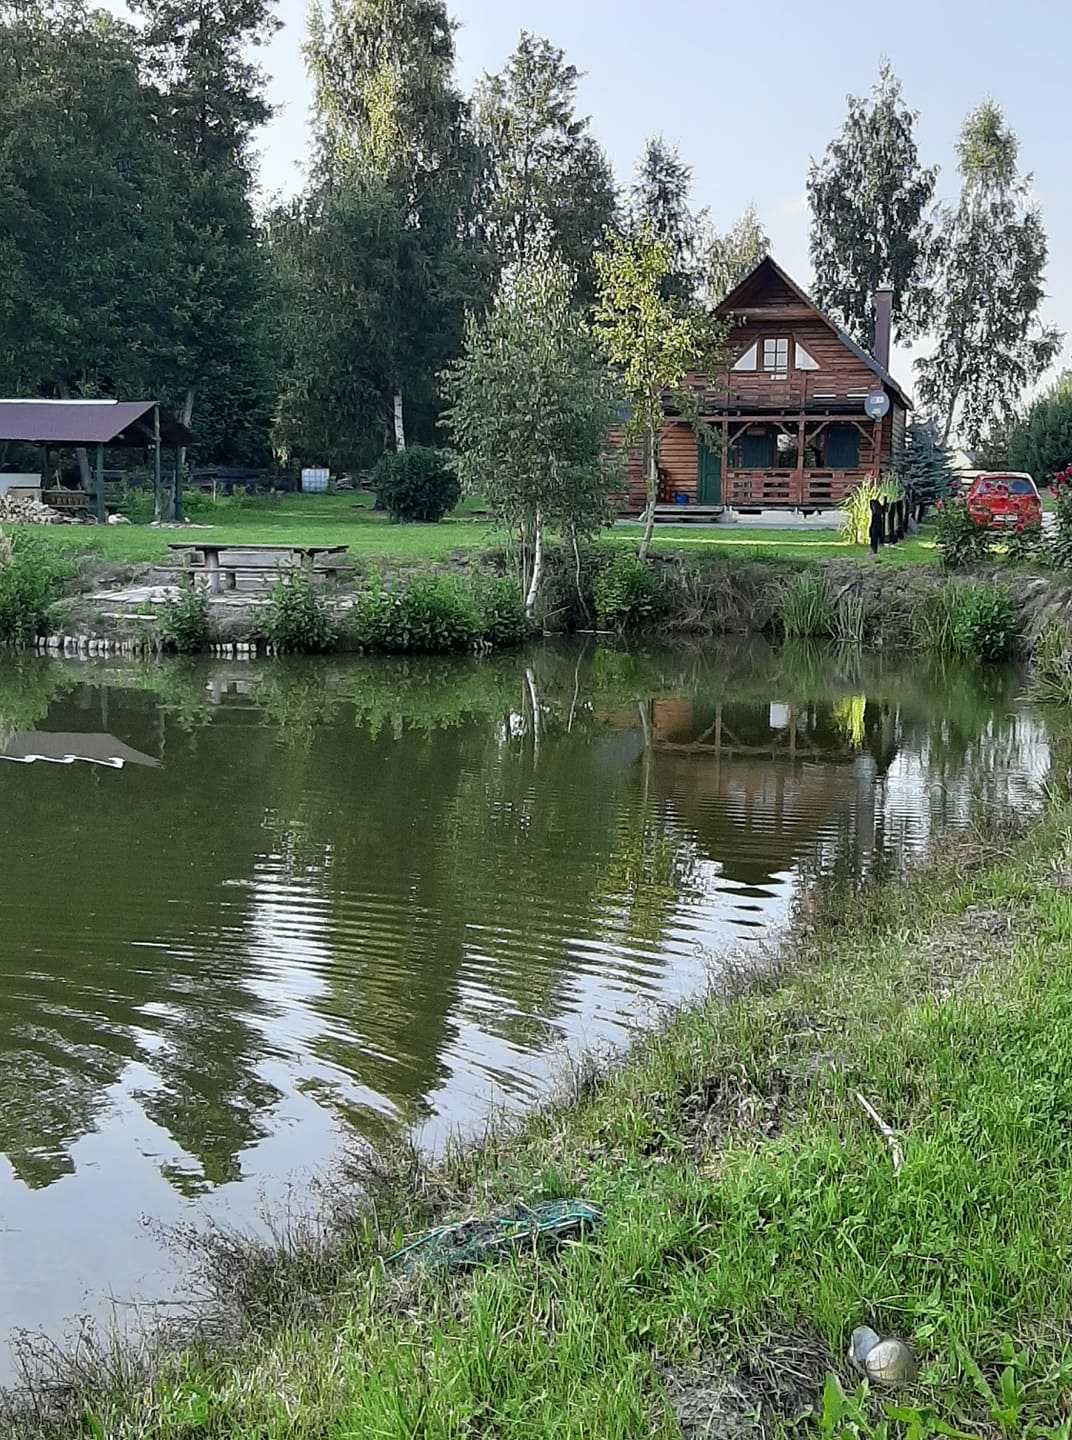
x=779 y=369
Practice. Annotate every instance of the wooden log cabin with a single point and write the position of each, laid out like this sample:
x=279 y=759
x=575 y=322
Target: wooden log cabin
x=788 y=417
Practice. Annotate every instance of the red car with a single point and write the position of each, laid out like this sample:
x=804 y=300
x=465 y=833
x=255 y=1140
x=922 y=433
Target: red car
x=1004 y=500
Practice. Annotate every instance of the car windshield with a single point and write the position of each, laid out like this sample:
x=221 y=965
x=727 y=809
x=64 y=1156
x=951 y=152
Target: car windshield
x=1022 y=487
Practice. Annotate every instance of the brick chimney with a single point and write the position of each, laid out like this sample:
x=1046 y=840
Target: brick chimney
x=883 y=314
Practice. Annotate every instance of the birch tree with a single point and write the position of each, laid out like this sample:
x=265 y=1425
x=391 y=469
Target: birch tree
x=531 y=408
x=654 y=343
x=991 y=263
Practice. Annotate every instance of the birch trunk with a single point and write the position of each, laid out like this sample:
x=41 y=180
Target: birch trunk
x=400 y=427
x=537 y=565
x=652 y=479
x=186 y=416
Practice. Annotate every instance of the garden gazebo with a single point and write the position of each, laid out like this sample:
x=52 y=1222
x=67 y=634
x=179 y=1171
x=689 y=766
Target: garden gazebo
x=101 y=424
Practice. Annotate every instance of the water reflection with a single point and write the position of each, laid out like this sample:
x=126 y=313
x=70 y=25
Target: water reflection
x=381 y=890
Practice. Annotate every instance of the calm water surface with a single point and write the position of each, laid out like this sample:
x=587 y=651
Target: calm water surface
x=244 y=908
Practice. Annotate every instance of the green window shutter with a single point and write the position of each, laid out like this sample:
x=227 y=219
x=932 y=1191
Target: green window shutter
x=843 y=447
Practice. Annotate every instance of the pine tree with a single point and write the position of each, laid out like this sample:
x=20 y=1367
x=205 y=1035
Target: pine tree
x=659 y=199
x=991 y=260
x=1041 y=442
x=211 y=101
x=923 y=466
x=869 y=198
x=730 y=257
x=548 y=183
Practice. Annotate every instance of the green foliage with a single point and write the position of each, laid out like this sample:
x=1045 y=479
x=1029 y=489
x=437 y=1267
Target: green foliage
x=183 y=622
x=991 y=258
x=531 y=407
x=627 y=592
x=652 y=342
x=659 y=200
x=806 y=606
x=923 y=467
x=501 y=608
x=856 y=513
x=730 y=257
x=1051 y=667
x=976 y=621
x=31 y=577
x=1059 y=543
x=549 y=183
x=1041 y=442
x=298 y=619
x=870 y=199
x=428 y=615
x=416 y=484
x=960 y=541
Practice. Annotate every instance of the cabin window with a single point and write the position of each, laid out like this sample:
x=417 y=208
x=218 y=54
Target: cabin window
x=776 y=358
x=804 y=360
x=750 y=359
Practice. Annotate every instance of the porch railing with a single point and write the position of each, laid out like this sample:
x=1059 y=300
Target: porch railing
x=790 y=487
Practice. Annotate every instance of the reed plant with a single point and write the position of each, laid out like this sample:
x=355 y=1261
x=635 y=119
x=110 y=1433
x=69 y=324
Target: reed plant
x=806 y=607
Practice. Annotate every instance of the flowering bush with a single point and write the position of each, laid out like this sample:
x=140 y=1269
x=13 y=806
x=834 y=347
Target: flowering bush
x=1061 y=540
x=961 y=540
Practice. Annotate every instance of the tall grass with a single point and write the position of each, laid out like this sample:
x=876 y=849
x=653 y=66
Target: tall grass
x=977 y=621
x=806 y=606
x=856 y=513
x=1051 y=668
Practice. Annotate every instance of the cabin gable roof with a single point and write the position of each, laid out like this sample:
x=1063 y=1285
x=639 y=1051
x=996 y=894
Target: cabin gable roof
x=768 y=286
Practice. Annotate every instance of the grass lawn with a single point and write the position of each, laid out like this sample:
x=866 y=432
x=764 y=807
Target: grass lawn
x=349 y=519
x=754 y=1214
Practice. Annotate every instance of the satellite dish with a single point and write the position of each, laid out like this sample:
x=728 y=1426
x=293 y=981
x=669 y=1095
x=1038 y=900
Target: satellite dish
x=877 y=404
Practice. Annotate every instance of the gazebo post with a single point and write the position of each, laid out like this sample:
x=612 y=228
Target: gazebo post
x=158 y=505
x=179 y=516
x=101 y=516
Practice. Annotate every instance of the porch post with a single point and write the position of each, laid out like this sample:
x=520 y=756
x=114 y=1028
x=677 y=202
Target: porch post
x=800 y=459
x=157 y=490
x=876 y=458
x=177 y=486
x=727 y=499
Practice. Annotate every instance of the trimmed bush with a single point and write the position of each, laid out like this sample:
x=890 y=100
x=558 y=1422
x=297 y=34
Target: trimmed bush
x=298 y=619
x=183 y=623
x=416 y=485
x=627 y=592
x=31 y=578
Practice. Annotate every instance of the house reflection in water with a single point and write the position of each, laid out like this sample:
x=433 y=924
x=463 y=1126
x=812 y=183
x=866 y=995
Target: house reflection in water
x=764 y=786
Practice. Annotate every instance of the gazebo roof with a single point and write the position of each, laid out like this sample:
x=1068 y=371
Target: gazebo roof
x=88 y=422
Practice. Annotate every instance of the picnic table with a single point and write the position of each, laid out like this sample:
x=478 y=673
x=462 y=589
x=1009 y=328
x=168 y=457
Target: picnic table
x=224 y=562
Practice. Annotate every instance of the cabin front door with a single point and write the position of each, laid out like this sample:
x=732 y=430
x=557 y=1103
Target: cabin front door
x=709 y=478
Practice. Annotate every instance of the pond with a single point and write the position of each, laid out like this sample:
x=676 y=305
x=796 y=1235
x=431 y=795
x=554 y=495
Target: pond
x=248 y=909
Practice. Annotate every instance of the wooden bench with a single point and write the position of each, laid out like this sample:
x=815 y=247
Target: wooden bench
x=255 y=567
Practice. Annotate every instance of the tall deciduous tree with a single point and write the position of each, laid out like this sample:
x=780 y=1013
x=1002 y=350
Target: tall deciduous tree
x=1041 y=443
x=531 y=408
x=87 y=247
x=731 y=256
x=197 y=54
x=654 y=344
x=548 y=183
x=659 y=198
x=394 y=133
x=991 y=258
x=870 y=199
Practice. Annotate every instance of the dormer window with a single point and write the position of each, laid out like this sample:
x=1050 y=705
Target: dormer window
x=776 y=358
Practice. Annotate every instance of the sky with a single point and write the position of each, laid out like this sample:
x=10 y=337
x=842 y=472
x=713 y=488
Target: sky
x=749 y=92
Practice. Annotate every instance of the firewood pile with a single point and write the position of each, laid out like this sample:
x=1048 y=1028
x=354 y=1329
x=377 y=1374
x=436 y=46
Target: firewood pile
x=25 y=510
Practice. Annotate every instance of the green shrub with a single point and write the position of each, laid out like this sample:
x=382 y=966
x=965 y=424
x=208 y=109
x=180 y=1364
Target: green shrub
x=183 y=623
x=502 y=612
x=806 y=607
x=960 y=540
x=31 y=577
x=430 y=614
x=417 y=484
x=627 y=592
x=980 y=622
x=298 y=619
